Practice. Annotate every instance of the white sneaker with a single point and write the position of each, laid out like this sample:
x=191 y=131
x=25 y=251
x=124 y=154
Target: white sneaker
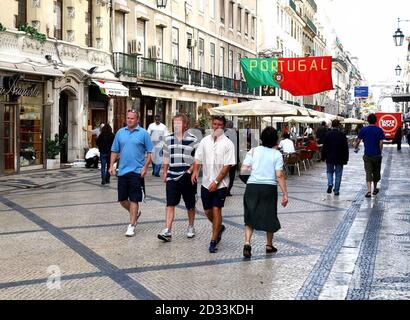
x=130 y=231
x=165 y=235
x=190 y=232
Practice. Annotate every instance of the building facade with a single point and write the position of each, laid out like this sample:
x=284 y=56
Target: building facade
x=184 y=57
x=56 y=78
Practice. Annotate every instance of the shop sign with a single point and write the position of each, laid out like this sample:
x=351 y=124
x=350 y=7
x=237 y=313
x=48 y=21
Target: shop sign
x=10 y=86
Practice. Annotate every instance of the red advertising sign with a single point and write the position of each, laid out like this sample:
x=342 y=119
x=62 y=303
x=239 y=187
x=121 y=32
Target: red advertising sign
x=389 y=122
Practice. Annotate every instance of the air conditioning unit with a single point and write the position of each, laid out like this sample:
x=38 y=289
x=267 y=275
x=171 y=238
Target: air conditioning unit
x=191 y=43
x=136 y=47
x=156 y=53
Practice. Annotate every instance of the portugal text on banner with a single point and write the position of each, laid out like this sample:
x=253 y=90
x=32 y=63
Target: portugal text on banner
x=299 y=76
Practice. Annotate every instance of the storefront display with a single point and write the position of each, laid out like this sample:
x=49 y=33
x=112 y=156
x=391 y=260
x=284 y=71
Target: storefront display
x=21 y=114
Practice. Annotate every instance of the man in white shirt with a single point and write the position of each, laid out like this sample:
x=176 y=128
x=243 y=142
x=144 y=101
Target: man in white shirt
x=92 y=157
x=286 y=145
x=158 y=131
x=216 y=154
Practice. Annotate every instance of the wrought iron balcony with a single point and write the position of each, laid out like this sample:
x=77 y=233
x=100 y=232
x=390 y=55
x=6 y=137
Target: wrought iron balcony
x=313 y=4
x=311 y=25
x=148 y=69
x=292 y=5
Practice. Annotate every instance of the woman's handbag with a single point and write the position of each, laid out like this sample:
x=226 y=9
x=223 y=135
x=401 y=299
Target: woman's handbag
x=245 y=172
x=244 y=177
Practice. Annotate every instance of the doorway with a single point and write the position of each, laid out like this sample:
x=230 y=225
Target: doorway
x=63 y=124
x=8 y=138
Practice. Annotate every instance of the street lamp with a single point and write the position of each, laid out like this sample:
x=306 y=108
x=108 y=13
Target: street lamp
x=398 y=70
x=398 y=35
x=161 y=4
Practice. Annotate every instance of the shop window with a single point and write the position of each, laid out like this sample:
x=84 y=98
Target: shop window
x=31 y=123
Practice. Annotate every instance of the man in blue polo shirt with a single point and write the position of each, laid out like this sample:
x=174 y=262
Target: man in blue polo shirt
x=131 y=143
x=372 y=137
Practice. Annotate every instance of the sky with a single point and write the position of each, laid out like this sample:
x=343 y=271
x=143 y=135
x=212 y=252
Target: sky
x=366 y=28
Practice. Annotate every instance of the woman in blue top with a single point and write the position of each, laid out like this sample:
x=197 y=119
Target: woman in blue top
x=261 y=195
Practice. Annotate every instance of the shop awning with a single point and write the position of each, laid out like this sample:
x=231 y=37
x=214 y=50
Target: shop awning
x=160 y=93
x=401 y=97
x=112 y=88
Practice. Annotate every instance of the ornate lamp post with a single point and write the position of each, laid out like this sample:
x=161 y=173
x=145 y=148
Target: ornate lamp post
x=398 y=70
x=398 y=35
x=161 y=4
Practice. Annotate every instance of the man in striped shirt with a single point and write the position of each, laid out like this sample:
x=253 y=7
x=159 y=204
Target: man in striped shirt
x=179 y=150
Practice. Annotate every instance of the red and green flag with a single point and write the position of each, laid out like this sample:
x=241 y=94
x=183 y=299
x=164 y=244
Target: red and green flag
x=298 y=76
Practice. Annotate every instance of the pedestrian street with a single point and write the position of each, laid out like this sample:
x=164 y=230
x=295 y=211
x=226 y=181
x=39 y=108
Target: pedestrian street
x=62 y=237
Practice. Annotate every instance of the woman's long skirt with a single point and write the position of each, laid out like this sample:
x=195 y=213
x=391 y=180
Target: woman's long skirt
x=261 y=207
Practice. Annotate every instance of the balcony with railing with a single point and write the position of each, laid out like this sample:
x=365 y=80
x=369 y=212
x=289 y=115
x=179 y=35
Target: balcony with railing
x=313 y=4
x=311 y=25
x=292 y=4
x=154 y=70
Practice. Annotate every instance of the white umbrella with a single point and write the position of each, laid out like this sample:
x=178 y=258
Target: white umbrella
x=271 y=106
x=299 y=119
x=353 y=121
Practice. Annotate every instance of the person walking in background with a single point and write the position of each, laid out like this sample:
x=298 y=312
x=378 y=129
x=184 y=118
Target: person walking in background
x=177 y=168
x=406 y=132
x=104 y=143
x=335 y=152
x=131 y=143
x=398 y=137
x=216 y=154
x=158 y=131
x=372 y=137
x=265 y=165
x=233 y=135
x=321 y=133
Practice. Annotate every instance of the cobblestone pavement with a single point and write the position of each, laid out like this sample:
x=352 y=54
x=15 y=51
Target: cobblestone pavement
x=62 y=237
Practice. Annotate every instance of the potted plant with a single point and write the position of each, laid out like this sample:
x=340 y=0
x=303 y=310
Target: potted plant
x=53 y=149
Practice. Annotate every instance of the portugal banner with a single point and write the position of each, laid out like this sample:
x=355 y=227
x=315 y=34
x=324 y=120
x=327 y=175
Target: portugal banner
x=298 y=76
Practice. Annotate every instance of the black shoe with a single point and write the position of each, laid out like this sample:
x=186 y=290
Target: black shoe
x=336 y=193
x=247 y=251
x=270 y=249
x=329 y=189
x=229 y=194
x=212 y=247
x=107 y=180
x=220 y=233
x=103 y=182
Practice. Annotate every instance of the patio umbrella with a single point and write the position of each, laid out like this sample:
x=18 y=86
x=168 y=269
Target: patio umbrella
x=353 y=121
x=300 y=119
x=271 y=106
